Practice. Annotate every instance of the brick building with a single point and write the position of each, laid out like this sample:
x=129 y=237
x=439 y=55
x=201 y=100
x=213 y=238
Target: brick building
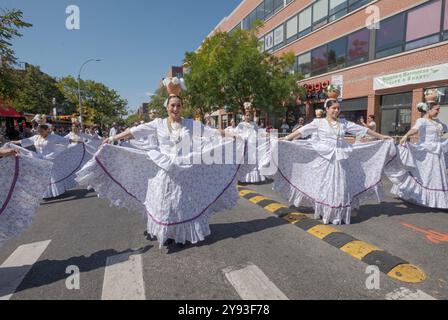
x=384 y=71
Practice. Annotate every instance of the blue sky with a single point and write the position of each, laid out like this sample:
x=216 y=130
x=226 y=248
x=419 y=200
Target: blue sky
x=137 y=40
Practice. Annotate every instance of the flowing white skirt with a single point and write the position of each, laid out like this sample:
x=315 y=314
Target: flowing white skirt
x=22 y=186
x=66 y=163
x=424 y=181
x=178 y=199
x=333 y=187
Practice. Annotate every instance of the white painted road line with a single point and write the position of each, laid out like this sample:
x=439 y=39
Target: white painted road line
x=406 y=294
x=252 y=284
x=123 y=278
x=18 y=264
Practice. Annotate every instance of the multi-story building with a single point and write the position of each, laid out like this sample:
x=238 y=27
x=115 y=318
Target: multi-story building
x=384 y=67
x=143 y=111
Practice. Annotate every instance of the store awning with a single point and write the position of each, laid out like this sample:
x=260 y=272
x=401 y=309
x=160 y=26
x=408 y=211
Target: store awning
x=6 y=111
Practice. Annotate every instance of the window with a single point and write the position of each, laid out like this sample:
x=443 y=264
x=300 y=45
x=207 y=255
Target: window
x=252 y=18
x=319 y=60
x=445 y=27
x=355 y=4
x=305 y=22
x=304 y=64
x=337 y=53
x=268 y=8
x=289 y=1
x=420 y=34
x=358 y=47
x=291 y=29
x=338 y=8
x=261 y=45
x=279 y=36
x=246 y=23
x=260 y=11
x=278 y=5
x=389 y=38
x=320 y=13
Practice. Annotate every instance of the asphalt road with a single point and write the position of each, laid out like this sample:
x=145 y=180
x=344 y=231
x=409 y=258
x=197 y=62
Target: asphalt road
x=250 y=255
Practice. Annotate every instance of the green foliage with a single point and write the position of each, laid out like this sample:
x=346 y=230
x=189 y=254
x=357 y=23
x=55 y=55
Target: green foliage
x=36 y=91
x=10 y=24
x=229 y=69
x=100 y=103
x=134 y=118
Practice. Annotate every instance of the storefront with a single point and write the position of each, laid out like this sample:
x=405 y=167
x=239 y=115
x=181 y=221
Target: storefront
x=11 y=122
x=397 y=96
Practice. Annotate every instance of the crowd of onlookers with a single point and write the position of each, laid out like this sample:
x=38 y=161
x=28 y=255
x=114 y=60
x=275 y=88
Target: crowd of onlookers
x=28 y=130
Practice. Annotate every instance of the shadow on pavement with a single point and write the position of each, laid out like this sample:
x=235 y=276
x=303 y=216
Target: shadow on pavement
x=391 y=209
x=71 y=195
x=234 y=230
x=46 y=272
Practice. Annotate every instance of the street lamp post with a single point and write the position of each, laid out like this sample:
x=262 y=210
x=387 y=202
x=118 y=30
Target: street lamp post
x=79 y=90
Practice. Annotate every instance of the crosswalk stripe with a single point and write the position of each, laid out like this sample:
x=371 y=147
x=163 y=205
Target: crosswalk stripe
x=406 y=294
x=18 y=264
x=252 y=284
x=123 y=278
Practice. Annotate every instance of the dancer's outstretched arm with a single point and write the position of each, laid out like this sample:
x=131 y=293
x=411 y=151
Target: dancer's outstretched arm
x=378 y=135
x=407 y=135
x=8 y=152
x=126 y=135
x=295 y=135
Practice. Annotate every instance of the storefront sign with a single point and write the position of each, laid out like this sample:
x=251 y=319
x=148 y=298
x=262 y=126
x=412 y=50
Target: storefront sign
x=434 y=73
x=314 y=89
x=269 y=41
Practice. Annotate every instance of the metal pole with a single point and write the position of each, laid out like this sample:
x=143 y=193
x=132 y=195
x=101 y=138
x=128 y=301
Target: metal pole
x=79 y=90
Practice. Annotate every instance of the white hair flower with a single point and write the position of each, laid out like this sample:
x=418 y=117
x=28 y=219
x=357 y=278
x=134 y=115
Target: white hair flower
x=422 y=106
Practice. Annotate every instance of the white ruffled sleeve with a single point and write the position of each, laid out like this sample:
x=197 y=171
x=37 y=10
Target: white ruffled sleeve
x=356 y=129
x=420 y=123
x=28 y=141
x=309 y=129
x=146 y=129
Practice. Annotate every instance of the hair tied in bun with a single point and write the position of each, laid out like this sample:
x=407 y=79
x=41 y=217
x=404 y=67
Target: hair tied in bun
x=422 y=107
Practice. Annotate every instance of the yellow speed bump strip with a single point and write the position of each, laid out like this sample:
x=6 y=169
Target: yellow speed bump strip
x=394 y=267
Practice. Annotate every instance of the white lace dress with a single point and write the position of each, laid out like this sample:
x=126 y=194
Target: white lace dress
x=66 y=161
x=21 y=181
x=171 y=185
x=249 y=132
x=327 y=173
x=425 y=181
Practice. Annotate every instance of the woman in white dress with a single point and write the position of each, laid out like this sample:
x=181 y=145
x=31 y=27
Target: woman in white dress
x=170 y=185
x=66 y=161
x=248 y=130
x=425 y=181
x=21 y=180
x=327 y=173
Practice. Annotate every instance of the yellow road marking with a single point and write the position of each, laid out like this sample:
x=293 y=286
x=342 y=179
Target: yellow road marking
x=407 y=273
x=359 y=249
x=321 y=231
x=293 y=218
x=274 y=207
x=258 y=199
x=246 y=192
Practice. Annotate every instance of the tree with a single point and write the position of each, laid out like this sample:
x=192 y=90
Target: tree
x=10 y=24
x=229 y=69
x=134 y=118
x=100 y=103
x=37 y=91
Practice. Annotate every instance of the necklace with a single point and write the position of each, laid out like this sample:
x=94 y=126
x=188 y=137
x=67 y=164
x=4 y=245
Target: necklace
x=40 y=141
x=438 y=126
x=335 y=127
x=175 y=133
